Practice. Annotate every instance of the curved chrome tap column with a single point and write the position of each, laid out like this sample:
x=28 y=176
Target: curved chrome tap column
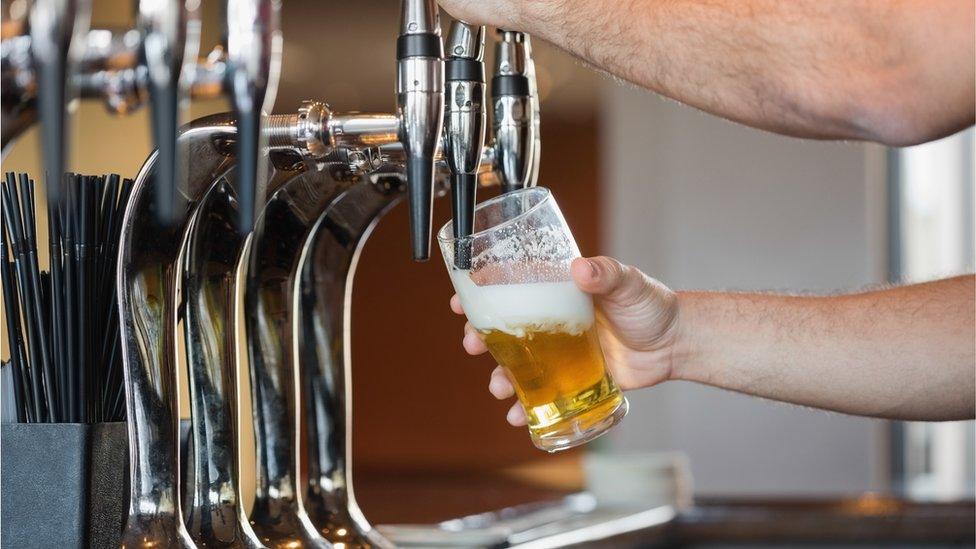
x=214 y=511
x=207 y=237
x=277 y=246
x=148 y=252
x=324 y=311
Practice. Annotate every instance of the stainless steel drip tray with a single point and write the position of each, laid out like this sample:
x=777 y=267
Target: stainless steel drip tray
x=575 y=519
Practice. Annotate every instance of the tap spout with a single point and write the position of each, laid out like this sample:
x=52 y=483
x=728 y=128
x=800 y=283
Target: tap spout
x=253 y=63
x=56 y=31
x=420 y=110
x=170 y=34
x=464 y=126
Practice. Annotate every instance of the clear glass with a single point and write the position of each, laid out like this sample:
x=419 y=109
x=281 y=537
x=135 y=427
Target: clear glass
x=512 y=276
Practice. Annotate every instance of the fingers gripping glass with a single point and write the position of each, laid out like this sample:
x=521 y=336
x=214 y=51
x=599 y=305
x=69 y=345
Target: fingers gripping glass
x=512 y=276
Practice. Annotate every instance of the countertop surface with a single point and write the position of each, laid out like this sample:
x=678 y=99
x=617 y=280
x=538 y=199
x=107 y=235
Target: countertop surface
x=418 y=497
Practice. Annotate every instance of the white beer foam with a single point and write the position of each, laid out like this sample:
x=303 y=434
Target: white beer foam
x=512 y=308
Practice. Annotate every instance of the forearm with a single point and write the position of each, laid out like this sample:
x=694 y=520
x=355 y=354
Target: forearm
x=904 y=353
x=896 y=72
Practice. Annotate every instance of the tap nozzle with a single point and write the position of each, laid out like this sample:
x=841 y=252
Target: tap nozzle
x=464 y=128
x=512 y=124
x=420 y=111
x=57 y=30
x=253 y=63
x=170 y=36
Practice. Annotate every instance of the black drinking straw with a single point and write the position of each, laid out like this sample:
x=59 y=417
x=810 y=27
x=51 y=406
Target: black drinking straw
x=107 y=260
x=57 y=304
x=81 y=260
x=63 y=324
x=96 y=318
x=14 y=338
x=53 y=408
x=102 y=286
x=11 y=216
x=39 y=308
x=119 y=404
x=111 y=345
x=68 y=213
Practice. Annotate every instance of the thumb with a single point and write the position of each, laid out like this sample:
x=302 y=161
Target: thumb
x=611 y=281
x=639 y=309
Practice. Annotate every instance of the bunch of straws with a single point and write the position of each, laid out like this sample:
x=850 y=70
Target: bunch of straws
x=62 y=324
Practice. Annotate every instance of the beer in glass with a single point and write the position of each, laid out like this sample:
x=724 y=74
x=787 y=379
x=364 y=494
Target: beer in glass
x=512 y=276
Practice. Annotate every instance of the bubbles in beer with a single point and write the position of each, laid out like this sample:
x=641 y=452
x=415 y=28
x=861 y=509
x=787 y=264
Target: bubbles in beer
x=543 y=334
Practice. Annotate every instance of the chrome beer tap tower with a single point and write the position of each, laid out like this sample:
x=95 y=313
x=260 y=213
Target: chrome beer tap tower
x=264 y=214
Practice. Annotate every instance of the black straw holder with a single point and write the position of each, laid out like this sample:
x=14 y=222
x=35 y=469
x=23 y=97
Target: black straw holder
x=63 y=484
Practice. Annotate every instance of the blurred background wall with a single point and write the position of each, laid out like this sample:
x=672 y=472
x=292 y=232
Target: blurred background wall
x=701 y=203
x=694 y=201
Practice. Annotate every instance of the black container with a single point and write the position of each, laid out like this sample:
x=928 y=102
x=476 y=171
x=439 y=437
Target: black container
x=63 y=484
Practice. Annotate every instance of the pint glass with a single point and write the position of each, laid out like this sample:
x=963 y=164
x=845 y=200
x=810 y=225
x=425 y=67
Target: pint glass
x=512 y=276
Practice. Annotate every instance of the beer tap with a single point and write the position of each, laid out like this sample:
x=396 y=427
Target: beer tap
x=253 y=64
x=420 y=110
x=56 y=31
x=300 y=265
x=513 y=127
x=110 y=70
x=464 y=126
x=205 y=236
x=148 y=282
x=170 y=34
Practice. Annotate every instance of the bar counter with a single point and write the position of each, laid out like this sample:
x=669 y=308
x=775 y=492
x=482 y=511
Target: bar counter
x=541 y=494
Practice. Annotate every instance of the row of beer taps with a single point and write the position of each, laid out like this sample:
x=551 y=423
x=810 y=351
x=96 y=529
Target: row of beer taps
x=274 y=207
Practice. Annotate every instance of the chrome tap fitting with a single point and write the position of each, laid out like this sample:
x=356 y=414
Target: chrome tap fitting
x=464 y=126
x=512 y=123
x=420 y=111
x=110 y=70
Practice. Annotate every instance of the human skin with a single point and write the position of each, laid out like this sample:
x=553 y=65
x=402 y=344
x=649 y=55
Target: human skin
x=898 y=72
x=905 y=353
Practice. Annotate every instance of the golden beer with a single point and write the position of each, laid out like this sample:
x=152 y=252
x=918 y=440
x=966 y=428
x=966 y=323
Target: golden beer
x=514 y=283
x=561 y=379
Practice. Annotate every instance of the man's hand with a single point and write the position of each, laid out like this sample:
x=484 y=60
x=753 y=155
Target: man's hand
x=637 y=320
x=900 y=353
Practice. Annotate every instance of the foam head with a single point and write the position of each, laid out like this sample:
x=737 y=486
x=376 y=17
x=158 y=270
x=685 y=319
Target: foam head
x=517 y=308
